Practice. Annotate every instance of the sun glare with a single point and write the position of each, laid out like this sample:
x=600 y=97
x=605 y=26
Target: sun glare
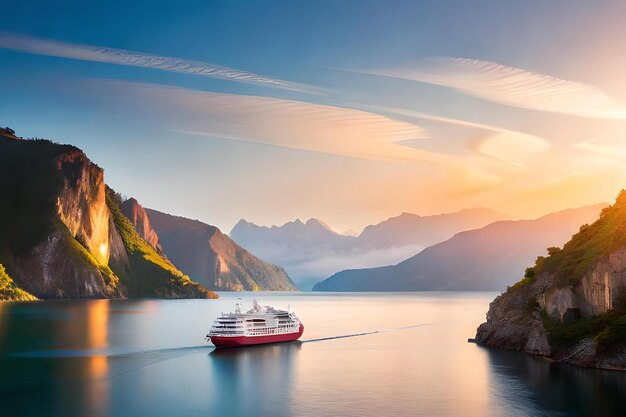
x=103 y=249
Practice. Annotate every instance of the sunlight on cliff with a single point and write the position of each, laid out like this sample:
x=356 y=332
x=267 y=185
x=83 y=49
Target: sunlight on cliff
x=103 y=249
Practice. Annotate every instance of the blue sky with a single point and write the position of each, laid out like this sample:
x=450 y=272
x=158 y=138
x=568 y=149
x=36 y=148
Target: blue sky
x=346 y=111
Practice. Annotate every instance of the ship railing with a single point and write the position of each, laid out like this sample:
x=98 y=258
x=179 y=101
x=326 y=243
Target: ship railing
x=273 y=330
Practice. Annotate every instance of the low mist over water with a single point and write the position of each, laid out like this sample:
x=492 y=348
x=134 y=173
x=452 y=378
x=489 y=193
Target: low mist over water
x=123 y=358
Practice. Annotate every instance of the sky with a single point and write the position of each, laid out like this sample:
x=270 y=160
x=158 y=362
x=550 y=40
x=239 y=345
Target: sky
x=346 y=111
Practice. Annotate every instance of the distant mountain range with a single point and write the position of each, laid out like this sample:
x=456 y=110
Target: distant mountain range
x=311 y=251
x=489 y=258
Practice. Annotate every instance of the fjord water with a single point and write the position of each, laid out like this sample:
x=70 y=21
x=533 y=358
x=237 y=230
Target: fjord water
x=148 y=358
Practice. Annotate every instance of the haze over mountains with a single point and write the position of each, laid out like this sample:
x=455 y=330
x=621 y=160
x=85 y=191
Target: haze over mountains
x=489 y=258
x=312 y=251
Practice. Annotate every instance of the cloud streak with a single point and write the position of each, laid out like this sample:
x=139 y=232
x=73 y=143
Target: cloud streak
x=512 y=86
x=506 y=145
x=38 y=46
x=279 y=122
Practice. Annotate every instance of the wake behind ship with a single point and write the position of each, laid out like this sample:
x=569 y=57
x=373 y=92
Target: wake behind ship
x=257 y=326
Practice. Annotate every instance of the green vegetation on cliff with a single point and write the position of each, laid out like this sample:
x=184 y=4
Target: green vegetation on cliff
x=10 y=291
x=604 y=236
x=148 y=274
x=566 y=267
x=29 y=186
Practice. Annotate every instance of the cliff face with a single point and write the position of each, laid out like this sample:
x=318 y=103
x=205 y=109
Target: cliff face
x=213 y=259
x=596 y=293
x=56 y=229
x=571 y=306
x=139 y=218
x=57 y=235
x=81 y=204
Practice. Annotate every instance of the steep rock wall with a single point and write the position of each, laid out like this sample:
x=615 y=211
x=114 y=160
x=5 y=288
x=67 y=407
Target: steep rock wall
x=597 y=291
x=140 y=220
x=56 y=228
x=81 y=205
x=514 y=319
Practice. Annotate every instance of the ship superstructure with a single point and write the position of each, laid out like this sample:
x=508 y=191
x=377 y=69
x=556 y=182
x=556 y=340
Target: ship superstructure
x=260 y=324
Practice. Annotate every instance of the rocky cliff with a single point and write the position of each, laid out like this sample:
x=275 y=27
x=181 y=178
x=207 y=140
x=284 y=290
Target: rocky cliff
x=139 y=218
x=54 y=221
x=57 y=235
x=213 y=259
x=571 y=305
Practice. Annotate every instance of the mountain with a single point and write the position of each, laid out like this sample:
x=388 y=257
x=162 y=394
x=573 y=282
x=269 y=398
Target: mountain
x=303 y=249
x=489 y=258
x=411 y=229
x=313 y=233
x=311 y=251
x=212 y=258
x=62 y=234
x=139 y=218
x=571 y=305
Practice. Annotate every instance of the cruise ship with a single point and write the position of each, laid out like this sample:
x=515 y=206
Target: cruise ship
x=257 y=326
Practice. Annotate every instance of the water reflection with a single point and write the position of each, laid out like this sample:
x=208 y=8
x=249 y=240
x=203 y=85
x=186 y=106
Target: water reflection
x=256 y=380
x=541 y=387
x=57 y=374
x=129 y=358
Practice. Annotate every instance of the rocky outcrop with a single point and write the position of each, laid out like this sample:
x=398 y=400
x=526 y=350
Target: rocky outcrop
x=213 y=259
x=514 y=322
x=140 y=220
x=571 y=306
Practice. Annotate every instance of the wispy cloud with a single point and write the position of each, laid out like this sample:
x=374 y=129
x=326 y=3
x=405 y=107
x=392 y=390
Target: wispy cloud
x=512 y=86
x=279 y=122
x=47 y=47
x=510 y=146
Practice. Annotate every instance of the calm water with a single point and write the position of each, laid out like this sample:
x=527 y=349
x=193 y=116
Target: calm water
x=148 y=358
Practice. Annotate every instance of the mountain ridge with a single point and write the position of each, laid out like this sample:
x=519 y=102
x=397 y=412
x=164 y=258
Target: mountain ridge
x=312 y=251
x=479 y=259
x=214 y=259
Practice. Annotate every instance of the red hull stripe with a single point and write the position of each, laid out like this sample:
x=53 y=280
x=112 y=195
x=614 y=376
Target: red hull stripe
x=225 y=341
